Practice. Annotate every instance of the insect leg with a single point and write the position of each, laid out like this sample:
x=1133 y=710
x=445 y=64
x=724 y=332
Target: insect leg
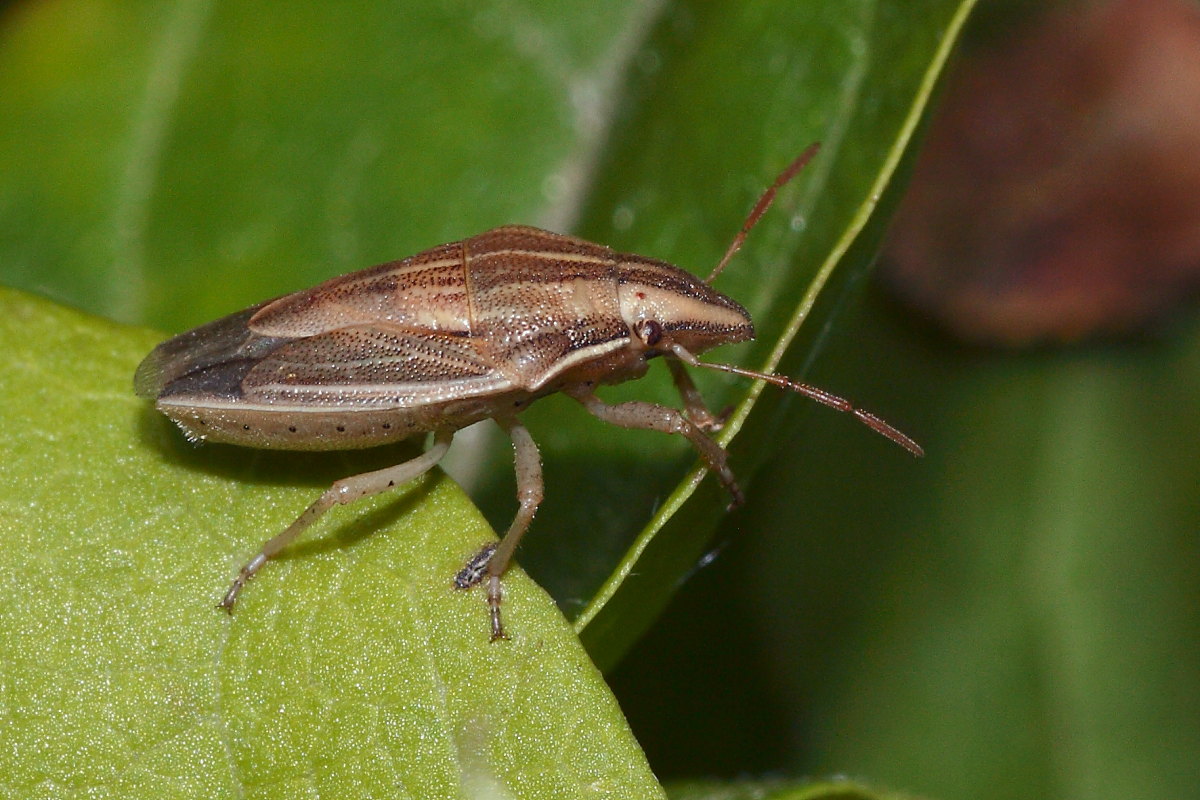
x=346 y=490
x=494 y=559
x=693 y=401
x=653 y=417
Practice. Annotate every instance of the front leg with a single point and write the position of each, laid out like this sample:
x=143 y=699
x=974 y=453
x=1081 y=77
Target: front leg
x=693 y=401
x=653 y=417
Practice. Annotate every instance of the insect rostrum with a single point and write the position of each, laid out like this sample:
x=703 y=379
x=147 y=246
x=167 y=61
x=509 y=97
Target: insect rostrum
x=462 y=332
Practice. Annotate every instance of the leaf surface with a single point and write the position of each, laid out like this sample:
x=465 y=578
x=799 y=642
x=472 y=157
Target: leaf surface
x=351 y=667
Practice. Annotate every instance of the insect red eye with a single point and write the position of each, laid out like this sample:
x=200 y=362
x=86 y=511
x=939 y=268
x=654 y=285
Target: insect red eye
x=649 y=332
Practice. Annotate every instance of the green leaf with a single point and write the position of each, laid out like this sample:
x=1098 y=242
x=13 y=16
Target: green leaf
x=888 y=73
x=166 y=164
x=233 y=153
x=350 y=668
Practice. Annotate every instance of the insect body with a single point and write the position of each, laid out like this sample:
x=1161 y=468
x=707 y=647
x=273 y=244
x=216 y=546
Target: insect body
x=462 y=332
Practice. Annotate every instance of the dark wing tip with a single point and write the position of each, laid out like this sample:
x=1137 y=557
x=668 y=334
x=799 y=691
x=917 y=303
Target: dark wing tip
x=222 y=347
x=148 y=380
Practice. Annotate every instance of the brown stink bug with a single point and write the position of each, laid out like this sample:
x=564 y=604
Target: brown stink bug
x=461 y=332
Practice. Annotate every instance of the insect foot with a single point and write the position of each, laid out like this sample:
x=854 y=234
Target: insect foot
x=473 y=573
x=474 y=570
x=465 y=331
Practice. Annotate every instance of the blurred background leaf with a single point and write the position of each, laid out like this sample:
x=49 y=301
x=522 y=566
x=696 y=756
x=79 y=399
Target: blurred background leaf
x=1016 y=616
x=840 y=789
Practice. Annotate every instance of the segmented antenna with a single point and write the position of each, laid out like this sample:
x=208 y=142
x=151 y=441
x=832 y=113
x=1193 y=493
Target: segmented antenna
x=812 y=392
x=823 y=397
x=762 y=205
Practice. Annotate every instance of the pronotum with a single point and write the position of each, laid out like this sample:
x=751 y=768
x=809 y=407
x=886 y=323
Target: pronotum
x=462 y=332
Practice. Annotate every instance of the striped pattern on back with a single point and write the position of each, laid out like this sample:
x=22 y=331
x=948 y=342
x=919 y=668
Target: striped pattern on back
x=507 y=310
x=424 y=292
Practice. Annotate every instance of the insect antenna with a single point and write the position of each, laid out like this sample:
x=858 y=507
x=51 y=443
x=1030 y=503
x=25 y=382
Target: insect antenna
x=823 y=397
x=762 y=205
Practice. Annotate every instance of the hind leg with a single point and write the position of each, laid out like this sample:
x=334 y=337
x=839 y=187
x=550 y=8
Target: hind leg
x=347 y=490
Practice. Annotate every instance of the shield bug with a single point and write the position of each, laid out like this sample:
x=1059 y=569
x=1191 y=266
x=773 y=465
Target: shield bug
x=462 y=332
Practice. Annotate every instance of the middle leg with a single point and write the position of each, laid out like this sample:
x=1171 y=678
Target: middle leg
x=492 y=560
